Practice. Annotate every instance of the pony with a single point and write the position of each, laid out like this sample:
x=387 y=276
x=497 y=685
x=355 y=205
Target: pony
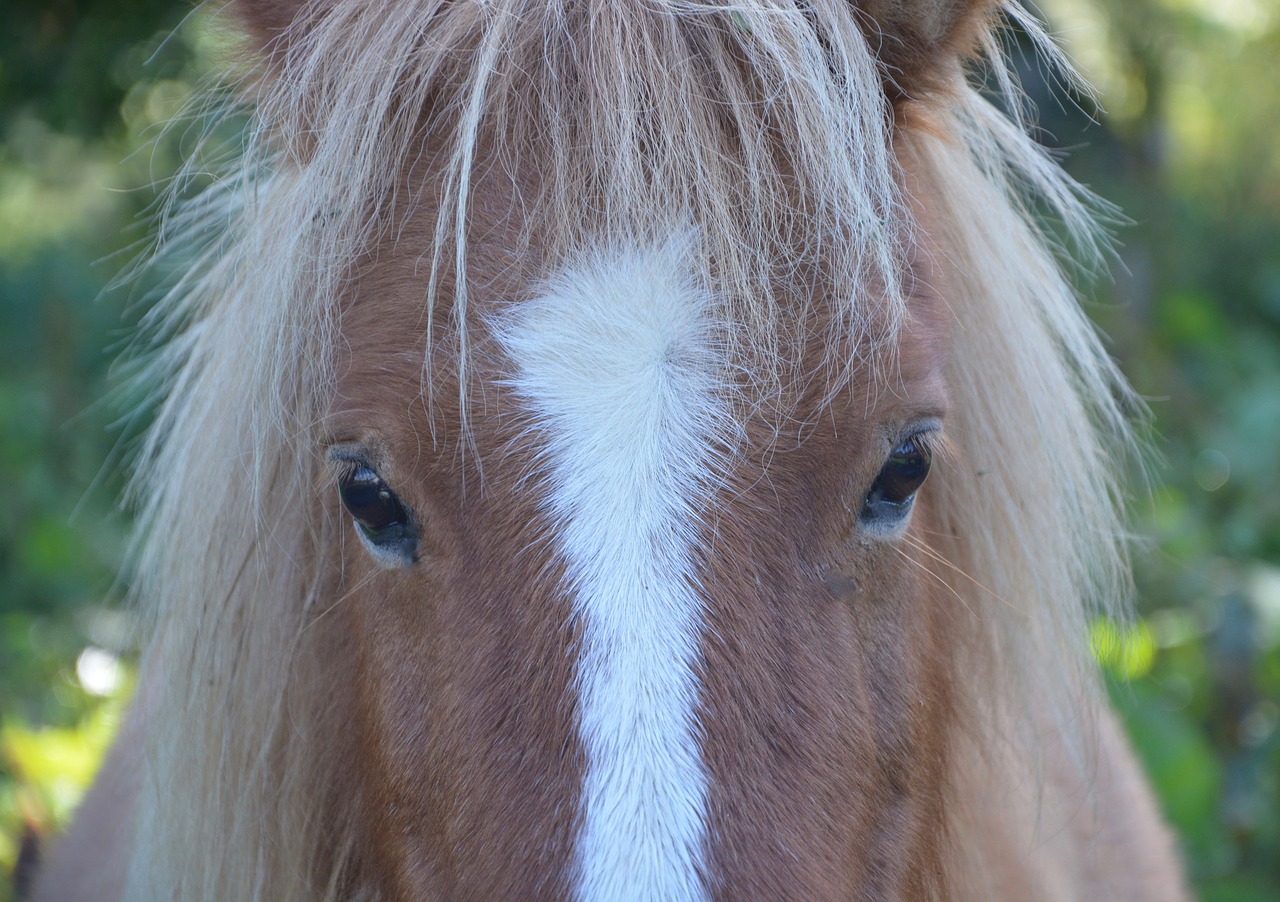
x=536 y=505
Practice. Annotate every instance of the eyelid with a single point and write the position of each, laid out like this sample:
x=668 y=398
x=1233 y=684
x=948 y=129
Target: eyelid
x=348 y=452
x=929 y=433
x=347 y=455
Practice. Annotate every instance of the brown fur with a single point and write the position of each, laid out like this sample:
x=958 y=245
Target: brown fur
x=918 y=42
x=464 y=695
x=827 y=661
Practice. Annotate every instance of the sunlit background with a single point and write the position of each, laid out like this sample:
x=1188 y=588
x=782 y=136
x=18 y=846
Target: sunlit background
x=1185 y=138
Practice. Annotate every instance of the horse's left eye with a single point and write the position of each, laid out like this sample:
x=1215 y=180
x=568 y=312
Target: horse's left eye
x=378 y=512
x=900 y=478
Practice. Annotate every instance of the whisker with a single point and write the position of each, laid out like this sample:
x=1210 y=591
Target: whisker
x=942 y=559
x=368 y=578
x=942 y=582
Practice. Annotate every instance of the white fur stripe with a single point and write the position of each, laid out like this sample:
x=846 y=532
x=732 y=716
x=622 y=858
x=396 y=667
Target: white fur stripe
x=618 y=361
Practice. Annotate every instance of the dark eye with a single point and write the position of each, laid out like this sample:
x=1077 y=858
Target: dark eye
x=378 y=512
x=899 y=479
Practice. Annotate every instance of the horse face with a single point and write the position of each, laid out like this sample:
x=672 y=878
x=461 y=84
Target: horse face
x=624 y=622
x=638 y=608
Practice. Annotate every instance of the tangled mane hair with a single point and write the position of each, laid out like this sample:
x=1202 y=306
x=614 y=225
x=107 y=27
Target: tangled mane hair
x=768 y=129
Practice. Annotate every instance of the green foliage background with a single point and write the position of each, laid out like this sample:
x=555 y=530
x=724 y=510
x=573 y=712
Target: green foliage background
x=1185 y=143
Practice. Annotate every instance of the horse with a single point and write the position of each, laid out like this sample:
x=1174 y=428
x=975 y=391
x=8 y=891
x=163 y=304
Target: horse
x=626 y=451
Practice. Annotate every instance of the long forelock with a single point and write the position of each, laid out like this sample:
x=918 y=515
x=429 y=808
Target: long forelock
x=766 y=130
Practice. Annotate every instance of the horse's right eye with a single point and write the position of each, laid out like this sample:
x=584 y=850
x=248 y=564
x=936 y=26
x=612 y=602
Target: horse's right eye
x=370 y=502
x=381 y=518
x=890 y=499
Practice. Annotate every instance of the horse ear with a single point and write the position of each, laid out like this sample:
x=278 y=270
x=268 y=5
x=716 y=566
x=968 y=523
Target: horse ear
x=919 y=42
x=266 y=21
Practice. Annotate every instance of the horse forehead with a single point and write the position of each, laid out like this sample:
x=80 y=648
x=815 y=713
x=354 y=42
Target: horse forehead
x=610 y=310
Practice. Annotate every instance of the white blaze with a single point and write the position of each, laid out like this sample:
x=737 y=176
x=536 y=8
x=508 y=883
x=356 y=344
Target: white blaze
x=619 y=364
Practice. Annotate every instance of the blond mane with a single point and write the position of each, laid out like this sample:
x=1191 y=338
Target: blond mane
x=769 y=130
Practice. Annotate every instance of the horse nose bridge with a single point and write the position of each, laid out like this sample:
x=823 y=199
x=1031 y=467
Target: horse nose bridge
x=618 y=370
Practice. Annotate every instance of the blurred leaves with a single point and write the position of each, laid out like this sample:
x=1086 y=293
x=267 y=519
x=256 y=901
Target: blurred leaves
x=1190 y=155
x=85 y=90
x=1127 y=652
x=46 y=770
x=70 y=62
x=1188 y=149
x=1180 y=764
